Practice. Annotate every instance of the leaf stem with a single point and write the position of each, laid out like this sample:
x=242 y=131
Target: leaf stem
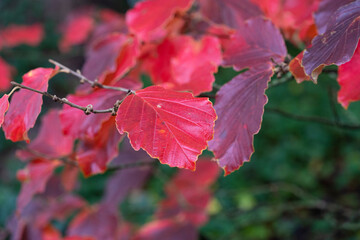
x=314 y=119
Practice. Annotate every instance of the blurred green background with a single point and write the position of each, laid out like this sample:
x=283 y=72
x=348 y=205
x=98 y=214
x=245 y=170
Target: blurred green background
x=302 y=181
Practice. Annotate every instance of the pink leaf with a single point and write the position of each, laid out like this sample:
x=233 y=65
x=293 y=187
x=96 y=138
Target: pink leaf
x=147 y=20
x=181 y=63
x=25 y=105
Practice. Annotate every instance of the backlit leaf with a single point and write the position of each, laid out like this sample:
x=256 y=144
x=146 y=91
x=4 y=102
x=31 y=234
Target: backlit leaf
x=349 y=80
x=181 y=63
x=171 y=126
x=25 y=105
x=293 y=17
x=6 y=72
x=4 y=106
x=297 y=69
x=148 y=19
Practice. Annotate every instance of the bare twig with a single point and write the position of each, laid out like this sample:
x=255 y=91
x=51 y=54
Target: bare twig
x=87 y=110
x=332 y=98
x=85 y=79
x=314 y=119
x=130 y=165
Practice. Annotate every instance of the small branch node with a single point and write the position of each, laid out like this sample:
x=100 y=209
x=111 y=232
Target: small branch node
x=55 y=98
x=89 y=109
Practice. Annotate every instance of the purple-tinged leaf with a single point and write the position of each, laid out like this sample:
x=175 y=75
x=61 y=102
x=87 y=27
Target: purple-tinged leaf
x=229 y=12
x=326 y=9
x=240 y=103
x=240 y=107
x=47 y=145
x=256 y=42
x=337 y=45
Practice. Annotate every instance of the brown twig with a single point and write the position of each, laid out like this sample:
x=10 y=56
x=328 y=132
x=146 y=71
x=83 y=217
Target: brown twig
x=314 y=119
x=87 y=110
x=83 y=79
x=130 y=165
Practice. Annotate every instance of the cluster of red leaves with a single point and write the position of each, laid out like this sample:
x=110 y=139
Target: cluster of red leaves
x=184 y=209
x=180 y=49
x=180 y=45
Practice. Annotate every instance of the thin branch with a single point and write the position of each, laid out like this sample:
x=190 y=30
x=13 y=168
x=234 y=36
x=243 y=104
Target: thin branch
x=314 y=119
x=87 y=110
x=85 y=79
x=331 y=95
x=130 y=165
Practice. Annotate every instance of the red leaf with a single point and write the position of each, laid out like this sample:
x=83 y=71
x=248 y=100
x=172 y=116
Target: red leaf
x=37 y=174
x=349 y=80
x=240 y=106
x=338 y=43
x=169 y=125
x=248 y=48
x=188 y=194
x=25 y=105
x=297 y=69
x=294 y=17
x=148 y=19
x=94 y=154
x=50 y=233
x=110 y=58
x=52 y=145
x=69 y=177
x=167 y=229
x=229 y=12
x=15 y=35
x=4 y=106
x=6 y=72
x=77 y=124
x=181 y=63
x=76 y=30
